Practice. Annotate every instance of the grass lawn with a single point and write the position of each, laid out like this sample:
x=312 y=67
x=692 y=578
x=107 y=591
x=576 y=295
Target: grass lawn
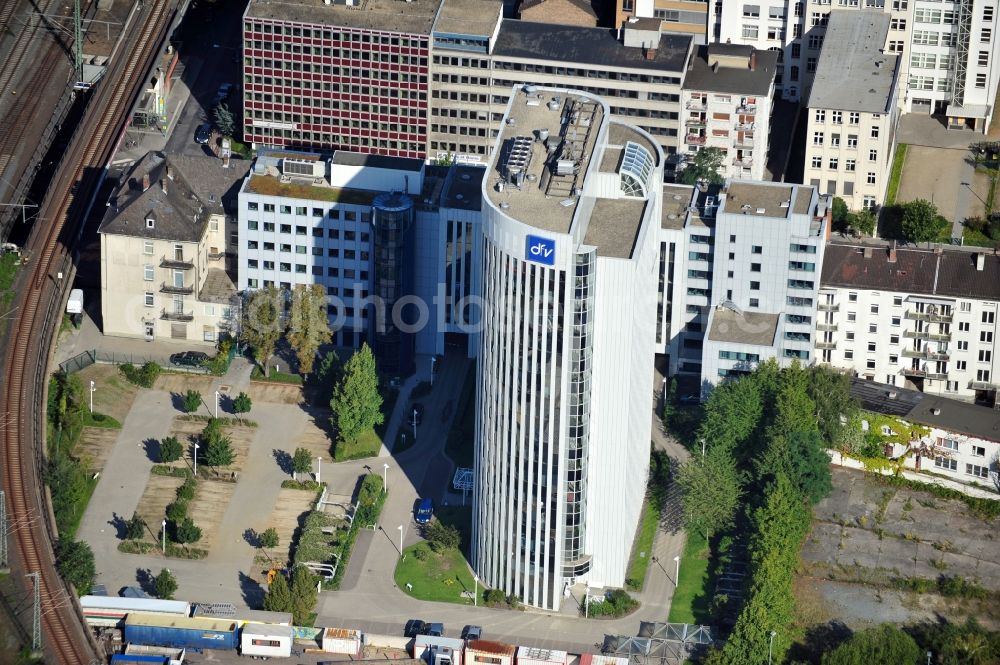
x=100 y=420
x=693 y=595
x=275 y=376
x=460 y=446
x=896 y=174
x=366 y=445
x=642 y=550
x=439 y=577
x=975 y=238
x=79 y=509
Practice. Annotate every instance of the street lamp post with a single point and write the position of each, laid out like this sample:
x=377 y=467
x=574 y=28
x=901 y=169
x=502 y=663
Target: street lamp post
x=929 y=654
x=770 y=646
x=400 y=527
x=664 y=391
x=196 y=446
x=93 y=388
x=414 y=424
x=319 y=470
x=677 y=569
x=475 y=595
x=703 y=450
x=385 y=478
x=586 y=604
x=216 y=403
x=164 y=532
x=433 y=363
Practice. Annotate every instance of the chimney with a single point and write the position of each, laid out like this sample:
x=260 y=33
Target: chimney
x=225 y=162
x=892 y=252
x=163 y=185
x=170 y=172
x=753 y=60
x=145 y=182
x=650 y=54
x=715 y=66
x=867 y=252
x=980 y=261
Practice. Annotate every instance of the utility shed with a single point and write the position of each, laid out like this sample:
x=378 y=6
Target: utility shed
x=424 y=647
x=342 y=640
x=535 y=656
x=487 y=652
x=267 y=640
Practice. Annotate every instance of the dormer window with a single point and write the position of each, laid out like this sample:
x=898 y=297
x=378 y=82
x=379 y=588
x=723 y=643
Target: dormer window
x=150 y=222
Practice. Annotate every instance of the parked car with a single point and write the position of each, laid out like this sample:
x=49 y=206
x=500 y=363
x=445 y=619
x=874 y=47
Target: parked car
x=414 y=627
x=416 y=414
x=203 y=133
x=472 y=633
x=189 y=359
x=435 y=629
x=425 y=511
x=689 y=399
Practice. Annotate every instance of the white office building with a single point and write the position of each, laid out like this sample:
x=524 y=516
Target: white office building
x=923 y=319
x=306 y=218
x=571 y=206
x=739 y=275
x=852 y=111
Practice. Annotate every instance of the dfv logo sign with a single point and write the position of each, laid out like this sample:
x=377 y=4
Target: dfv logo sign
x=540 y=250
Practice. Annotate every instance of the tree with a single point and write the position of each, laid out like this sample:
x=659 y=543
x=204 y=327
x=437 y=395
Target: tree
x=187 y=532
x=165 y=585
x=75 y=563
x=279 y=596
x=219 y=451
x=732 y=413
x=803 y=459
x=310 y=327
x=224 y=120
x=356 y=402
x=704 y=165
x=712 y=489
x=269 y=538
x=301 y=462
x=863 y=221
x=242 y=403
x=262 y=323
x=170 y=449
x=839 y=214
x=668 y=402
x=882 y=644
x=192 y=401
x=830 y=390
x=327 y=374
x=135 y=527
x=921 y=221
x=304 y=595
x=441 y=536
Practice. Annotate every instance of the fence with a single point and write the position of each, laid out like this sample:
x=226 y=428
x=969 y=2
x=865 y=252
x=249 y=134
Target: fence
x=88 y=358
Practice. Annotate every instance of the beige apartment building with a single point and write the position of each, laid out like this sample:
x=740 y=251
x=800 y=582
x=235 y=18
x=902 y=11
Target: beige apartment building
x=852 y=110
x=476 y=65
x=164 y=249
x=727 y=104
x=686 y=17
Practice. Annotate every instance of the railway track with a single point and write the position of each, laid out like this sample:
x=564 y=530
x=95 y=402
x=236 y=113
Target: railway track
x=41 y=293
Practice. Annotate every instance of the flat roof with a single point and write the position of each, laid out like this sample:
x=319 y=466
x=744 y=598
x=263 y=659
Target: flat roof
x=754 y=328
x=347 y=158
x=676 y=199
x=588 y=46
x=757 y=199
x=803 y=198
x=193 y=623
x=464 y=188
x=614 y=226
x=736 y=80
x=412 y=17
x=469 y=17
x=853 y=74
x=545 y=202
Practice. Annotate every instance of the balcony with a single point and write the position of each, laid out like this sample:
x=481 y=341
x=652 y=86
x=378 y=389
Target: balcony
x=695 y=123
x=177 y=316
x=983 y=385
x=826 y=345
x=745 y=126
x=177 y=290
x=828 y=307
x=936 y=317
x=925 y=355
x=696 y=104
x=695 y=139
x=744 y=143
x=922 y=374
x=826 y=327
x=747 y=109
x=746 y=162
x=215 y=256
x=923 y=334
x=176 y=263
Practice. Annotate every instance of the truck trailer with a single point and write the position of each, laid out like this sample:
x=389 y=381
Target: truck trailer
x=181 y=633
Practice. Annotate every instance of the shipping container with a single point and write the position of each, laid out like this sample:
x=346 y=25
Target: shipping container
x=258 y=639
x=488 y=652
x=111 y=610
x=534 y=656
x=181 y=632
x=132 y=658
x=241 y=616
x=600 y=659
x=423 y=644
x=173 y=656
x=342 y=640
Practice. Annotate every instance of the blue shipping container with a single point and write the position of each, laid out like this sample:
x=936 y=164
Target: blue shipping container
x=181 y=633
x=139 y=658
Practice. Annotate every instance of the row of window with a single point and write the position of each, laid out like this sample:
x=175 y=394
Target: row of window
x=833 y=164
x=331 y=252
x=949 y=464
x=332 y=34
x=333 y=213
x=301 y=269
x=837 y=117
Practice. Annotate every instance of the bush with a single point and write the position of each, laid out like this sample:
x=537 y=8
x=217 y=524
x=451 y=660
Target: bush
x=144 y=376
x=192 y=401
x=187 y=532
x=420 y=553
x=884 y=644
x=616 y=603
x=219 y=452
x=170 y=450
x=442 y=537
x=165 y=585
x=269 y=538
x=494 y=597
x=242 y=403
x=177 y=510
x=135 y=528
x=75 y=562
x=186 y=491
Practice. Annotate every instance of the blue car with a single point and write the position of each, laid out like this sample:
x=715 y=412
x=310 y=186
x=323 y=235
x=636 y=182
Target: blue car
x=425 y=511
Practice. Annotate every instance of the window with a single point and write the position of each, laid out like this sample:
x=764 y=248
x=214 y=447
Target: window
x=875 y=131
x=754 y=267
x=986 y=35
x=897 y=24
x=986 y=336
x=852 y=296
x=871 y=347
x=984 y=59
x=749 y=32
x=849 y=335
x=894 y=340
x=835 y=140
x=147 y=272
x=873 y=328
x=873 y=155
x=850 y=165
x=868 y=203
x=978 y=451
x=983 y=375
x=752 y=11
x=816 y=42
x=852 y=140
x=148 y=301
x=963 y=326
x=870 y=363
x=987 y=315
x=963 y=346
x=755 y=286
x=977 y=470
x=251 y=205
x=854 y=117
x=269 y=226
x=893 y=360
x=946 y=463
x=848 y=354
x=754 y=302
x=960 y=365
x=985 y=356
x=285 y=228
x=820 y=114
x=810 y=64
x=871 y=178
x=817 y=162
x=895 y=321
x=818 y=138
x=897 y=301
x=980 y=80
